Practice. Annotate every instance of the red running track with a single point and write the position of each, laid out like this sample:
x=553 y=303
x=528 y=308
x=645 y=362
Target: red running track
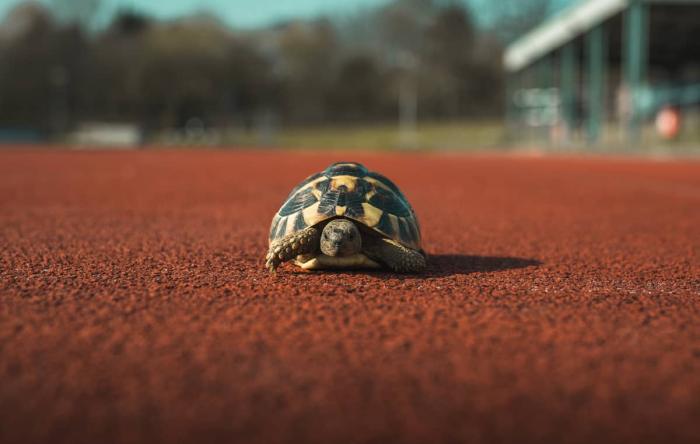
x=562 y=304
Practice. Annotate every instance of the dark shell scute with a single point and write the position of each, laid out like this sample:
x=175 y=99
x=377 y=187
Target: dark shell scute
x=384 y=224
x=413 y=226
x=299 y=223
x=390 y=203
x=404 y=230
x=273 y=227
x=342 y=197
x=281 y=227
x=323 y=186
x=387 y=182
x=354 y=203
x=346 y=169
x=328 y=202
x=304 y=182
x=298 y=202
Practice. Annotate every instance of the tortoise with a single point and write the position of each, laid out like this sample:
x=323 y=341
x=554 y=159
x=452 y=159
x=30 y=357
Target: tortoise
x=346 y=217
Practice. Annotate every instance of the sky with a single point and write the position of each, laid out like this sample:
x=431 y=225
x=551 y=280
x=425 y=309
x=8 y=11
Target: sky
x=240 y=13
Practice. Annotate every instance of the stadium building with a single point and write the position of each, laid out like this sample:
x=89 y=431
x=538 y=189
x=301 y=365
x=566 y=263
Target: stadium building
x=608 y=72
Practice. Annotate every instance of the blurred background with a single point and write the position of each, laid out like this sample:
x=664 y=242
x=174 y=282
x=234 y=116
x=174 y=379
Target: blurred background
x=373 y=74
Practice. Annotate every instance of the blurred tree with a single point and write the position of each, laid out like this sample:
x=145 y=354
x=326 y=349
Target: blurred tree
x=115 y=80
x=358 y=93
x=24 y=80
x=128 y=23
x=22 y=19
x=424 y=53
x=250 y=88
x=402 y=24
x=41 y=76
x=308 y=58
x=448 y=62
x=184 y=71
x=82 y=13
x=451 y=37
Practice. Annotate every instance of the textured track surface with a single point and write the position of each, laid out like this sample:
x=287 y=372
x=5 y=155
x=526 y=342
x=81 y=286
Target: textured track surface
x=562 y=304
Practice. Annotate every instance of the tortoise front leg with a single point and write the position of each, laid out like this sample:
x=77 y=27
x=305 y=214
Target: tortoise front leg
x=291 y=246
x=395 y=256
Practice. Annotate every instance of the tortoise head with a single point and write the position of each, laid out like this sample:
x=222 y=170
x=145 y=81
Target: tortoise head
x=341 y=237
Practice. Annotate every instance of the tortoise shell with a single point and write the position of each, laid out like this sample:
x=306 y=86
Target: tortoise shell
x=348 y=189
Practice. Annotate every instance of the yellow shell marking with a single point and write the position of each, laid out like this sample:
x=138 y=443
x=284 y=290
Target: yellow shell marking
x=290 y=224
x=339 y=211
x=349 y=182
x=394 y=221
x=311 y=215
x=312 y=183
x=372 y=214
x=378 y=183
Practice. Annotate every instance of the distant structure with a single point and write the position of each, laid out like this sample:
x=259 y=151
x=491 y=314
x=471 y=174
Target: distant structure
x=602 y=70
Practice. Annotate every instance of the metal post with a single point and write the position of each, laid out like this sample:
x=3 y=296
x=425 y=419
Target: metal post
x=529 y=82
x=544 y=72
x=635 y=53
x=512 y=86
x=408 y=101
x=544 y=82
x=518 y=79
x=568 y=87
x=596 y=55
x=408 y=113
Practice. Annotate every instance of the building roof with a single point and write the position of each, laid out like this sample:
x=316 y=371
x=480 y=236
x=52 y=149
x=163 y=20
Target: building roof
x=564 y=27
x=559 y=30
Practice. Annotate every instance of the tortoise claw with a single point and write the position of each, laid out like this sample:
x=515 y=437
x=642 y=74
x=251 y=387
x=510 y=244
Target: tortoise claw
x=290 y=247
x=270 y=263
